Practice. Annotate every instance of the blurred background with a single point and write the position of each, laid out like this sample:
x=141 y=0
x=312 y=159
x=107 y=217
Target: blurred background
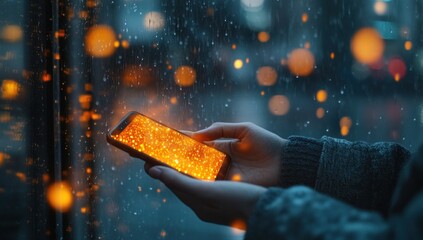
x=69 y=70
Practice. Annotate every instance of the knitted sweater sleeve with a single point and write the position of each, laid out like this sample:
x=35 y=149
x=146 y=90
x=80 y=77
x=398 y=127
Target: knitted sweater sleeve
x=358 y=173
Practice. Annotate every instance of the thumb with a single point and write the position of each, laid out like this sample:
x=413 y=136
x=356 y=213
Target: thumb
x=173 y=179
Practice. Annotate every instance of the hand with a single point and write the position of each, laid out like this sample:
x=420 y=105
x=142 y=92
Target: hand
x=255 y=152
x=220 y=202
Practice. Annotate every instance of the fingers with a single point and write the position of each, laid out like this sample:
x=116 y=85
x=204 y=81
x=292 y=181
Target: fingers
x=221 y=130
x=225 y=146
x=175 y=181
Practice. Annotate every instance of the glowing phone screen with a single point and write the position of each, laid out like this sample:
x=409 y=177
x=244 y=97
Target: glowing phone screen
x=172 y=148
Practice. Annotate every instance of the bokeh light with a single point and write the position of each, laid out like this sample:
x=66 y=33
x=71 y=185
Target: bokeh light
x=185 y=76
x=408 y=45
x=154 y=21
x=304 y=17
x=137 y=76
x=238 y=226
x=345 y=125
x=59 y=196
x=320 y=113
x=266 y=76
x=100 y=41
x=11 y=33
x=238 y=64
x=9 y=89
x=279 y=105
x=397 y=68
x=380 y=7
x=321 y=95
x=301 y=62
x=263 y=37
x=367 y=46
x=252 y=3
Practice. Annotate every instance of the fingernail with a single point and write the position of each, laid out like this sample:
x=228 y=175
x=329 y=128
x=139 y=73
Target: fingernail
x=155 y=172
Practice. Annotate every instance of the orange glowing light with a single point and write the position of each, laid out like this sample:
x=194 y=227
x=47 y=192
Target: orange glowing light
x=397 y=68
x=11 y=33
x=154 y=21
x=238 y=64
x=263 y=37
x=21 y=176
x=80 y=194
x=172 y=148
x=84 y=210
x=307 y=45
x=91 y=3
x=408 y=45
x=380 y=7
x=262 y=93
x=2 y=158
x=345 y=130
x=125 y=43
x=233 y=46
x=367 y=46
x=238 y=224
x=185 y=76
x=279 y=105
x=332 y=55
x=9 y=89
x=173 y=100
x=88 y=170
x=116 y=44
x=321 y=96
x=345 y=122
x=320 y=113
x=138 y=76
x=59 y=196
x=266 y=76
x=304 y=18
x=85 y=100
x=46 y=77
x=301 y=62
x=56 y=56
x=100 y=41
x=236 y=177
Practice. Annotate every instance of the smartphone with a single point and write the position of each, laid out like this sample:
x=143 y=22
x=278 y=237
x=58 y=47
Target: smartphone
x=151 y=141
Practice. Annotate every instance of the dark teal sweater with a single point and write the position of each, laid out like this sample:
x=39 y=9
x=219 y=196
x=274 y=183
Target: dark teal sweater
x=335 y=189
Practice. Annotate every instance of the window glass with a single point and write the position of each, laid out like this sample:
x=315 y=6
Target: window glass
x=70 y=70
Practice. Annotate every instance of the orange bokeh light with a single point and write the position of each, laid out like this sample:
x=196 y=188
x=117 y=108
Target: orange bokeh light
x=304 y=18
x=238 y=224
x=345 y=130
x=320 y=113
x=185 y=76
x=345 y=122
x=9 y=89
x=11 y=33
x=236 y=177
x=279 y=105
x=138 y=76
x=397 y=68
x=238 y=64
x=367 y=46
x=266 y=76
x=321 y=96
x=263 y=37
x=59 y=196
x=100 y=41
x=408 y=45
x=301 y=62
